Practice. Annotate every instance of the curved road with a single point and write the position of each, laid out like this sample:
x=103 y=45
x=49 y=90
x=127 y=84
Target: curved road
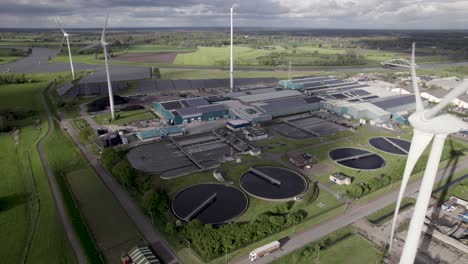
x=69 y=230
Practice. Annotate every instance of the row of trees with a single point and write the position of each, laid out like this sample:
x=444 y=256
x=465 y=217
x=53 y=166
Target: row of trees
x=120 y=168
x=11 y=78
x=211 y=242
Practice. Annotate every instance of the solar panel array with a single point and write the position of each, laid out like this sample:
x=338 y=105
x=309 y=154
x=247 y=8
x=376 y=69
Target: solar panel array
x=87 y=89
x=64 y=89
x=395 y=101
x=152 y=86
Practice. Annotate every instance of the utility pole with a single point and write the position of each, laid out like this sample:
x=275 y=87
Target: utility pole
x=231 y=70
x=289 y=70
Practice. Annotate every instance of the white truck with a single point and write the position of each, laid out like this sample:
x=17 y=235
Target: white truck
x=264 y=250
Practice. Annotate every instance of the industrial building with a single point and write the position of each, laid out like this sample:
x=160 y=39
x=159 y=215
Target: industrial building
x=160 y=132
x=349 y=99
x=185 y=111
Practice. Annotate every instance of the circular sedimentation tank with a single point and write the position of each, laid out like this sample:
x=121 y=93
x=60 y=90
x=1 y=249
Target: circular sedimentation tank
x=391 y=145
x=211 y=203
x=358 y=159
x=273 y=183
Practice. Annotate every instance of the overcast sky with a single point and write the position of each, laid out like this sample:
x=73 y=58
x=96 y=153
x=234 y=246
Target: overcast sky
x=371 y=14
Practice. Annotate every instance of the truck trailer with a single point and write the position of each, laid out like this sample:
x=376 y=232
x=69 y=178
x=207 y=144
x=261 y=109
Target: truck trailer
x=264 y=250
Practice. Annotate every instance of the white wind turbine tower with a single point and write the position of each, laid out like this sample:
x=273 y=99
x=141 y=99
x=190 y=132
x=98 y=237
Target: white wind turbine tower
x=65 y=36
x=428 y=125
x=231 y=71
x=104 y=44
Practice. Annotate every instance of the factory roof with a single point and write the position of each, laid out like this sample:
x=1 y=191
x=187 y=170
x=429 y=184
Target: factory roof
x=159 y=132
x=269 y=96
x=391 y=102
x=199 y=110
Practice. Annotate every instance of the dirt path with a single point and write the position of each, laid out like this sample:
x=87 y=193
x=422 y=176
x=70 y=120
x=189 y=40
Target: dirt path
x=70 y=232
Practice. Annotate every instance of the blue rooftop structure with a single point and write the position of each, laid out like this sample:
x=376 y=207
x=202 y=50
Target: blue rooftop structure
x=160 y=132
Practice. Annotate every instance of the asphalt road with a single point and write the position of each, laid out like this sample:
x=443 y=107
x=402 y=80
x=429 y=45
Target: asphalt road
x=38 y=62
x=141 y=221
x=69 y=230
x=352 y=214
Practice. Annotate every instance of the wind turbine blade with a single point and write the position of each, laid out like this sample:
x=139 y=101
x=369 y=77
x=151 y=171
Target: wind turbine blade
x=89 y=47
x=422 y=202
x=454 y=93
x=57 y=21
x=61 y=45
x=103 y=35
x=417 y=94
x=419 y=143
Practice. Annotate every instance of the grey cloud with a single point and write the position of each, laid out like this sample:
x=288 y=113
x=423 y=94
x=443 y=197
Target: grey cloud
x=282 y=13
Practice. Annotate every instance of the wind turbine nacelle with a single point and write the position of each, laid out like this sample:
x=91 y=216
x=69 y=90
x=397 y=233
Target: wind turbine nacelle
x=441 y=124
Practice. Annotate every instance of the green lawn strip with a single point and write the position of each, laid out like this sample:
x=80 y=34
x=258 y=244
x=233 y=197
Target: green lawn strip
x=63 y=157
x=16 y=201
x=342 y=246
x=125 y=117
x=48 y=234
x=386 y=213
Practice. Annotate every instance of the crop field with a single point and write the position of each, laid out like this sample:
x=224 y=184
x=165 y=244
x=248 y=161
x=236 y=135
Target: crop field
x=220 y=56
x=126 y=117
x=38 y=231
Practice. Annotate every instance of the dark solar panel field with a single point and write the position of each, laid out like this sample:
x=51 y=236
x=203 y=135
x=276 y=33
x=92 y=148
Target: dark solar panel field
x=396 y=101
x=152 y=86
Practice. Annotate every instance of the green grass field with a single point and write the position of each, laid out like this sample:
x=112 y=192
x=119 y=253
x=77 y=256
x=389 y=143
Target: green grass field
x=220 y=56
x=157 y=48
x=125 y=117
x=34 y=234
x=351 y=250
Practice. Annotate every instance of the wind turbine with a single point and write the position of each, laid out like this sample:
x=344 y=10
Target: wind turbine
x=429 y=125
x=65 y=36
x=231 y=71
x=104 y=44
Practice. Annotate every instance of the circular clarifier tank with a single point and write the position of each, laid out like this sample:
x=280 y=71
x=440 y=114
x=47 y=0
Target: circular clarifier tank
x=211 y=203
x=358 y=159
x=273 y=183
x=391 y=145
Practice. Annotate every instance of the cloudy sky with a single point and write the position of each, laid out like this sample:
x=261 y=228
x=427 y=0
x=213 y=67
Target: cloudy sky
x=391 y=14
